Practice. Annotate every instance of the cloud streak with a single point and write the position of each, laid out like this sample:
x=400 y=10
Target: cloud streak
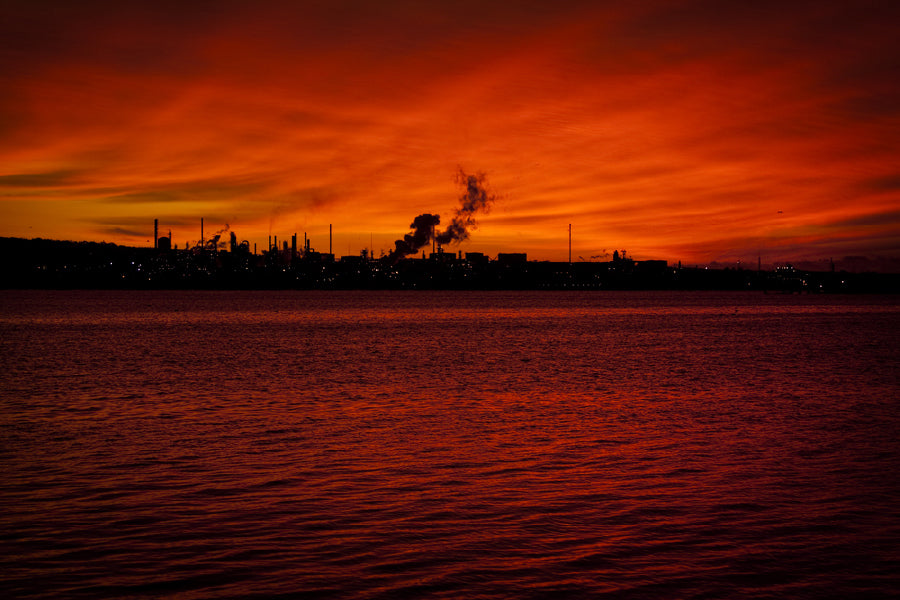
x=676 y=131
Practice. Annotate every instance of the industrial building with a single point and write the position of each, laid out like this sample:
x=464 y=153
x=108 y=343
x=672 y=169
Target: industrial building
x=213 y=262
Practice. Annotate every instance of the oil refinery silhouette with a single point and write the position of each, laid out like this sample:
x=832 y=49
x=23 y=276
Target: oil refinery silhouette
x=214 y=263
x=217 y=264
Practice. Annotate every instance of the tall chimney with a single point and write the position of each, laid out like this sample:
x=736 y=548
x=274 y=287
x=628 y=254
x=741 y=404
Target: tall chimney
x=329 y=239
x=155 y=234
x=202 y=241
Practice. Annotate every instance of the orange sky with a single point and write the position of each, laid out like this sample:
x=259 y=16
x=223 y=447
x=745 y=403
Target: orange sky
x=694 y=131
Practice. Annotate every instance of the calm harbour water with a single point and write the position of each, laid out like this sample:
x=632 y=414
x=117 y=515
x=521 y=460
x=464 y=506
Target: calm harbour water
x=457 y=445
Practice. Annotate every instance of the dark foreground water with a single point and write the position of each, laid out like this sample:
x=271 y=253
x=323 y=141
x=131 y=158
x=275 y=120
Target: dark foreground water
x=461 y=445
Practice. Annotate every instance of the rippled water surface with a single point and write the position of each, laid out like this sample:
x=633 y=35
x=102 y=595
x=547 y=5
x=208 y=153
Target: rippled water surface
x=456 y=445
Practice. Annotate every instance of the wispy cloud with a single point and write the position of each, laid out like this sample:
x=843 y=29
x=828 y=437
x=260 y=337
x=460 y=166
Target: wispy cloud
x=676 y=130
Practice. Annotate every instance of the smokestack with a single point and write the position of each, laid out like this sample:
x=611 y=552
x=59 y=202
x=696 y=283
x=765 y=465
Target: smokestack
x=293 y=246
x=155 y=234
x=570 y=243
x=330 y=239
x=202 y=241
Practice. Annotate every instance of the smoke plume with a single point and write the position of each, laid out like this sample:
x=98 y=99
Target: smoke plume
x=214 y=242
x=421 y=234
x=475 y=199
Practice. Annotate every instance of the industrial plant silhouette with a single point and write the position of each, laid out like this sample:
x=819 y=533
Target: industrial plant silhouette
x=214 y=263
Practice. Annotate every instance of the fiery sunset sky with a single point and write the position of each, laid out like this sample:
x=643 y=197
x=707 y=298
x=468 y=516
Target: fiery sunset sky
x=697 y=131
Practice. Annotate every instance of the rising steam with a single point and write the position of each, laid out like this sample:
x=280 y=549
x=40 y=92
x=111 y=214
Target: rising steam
x=214 y=242
x=475 y=199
